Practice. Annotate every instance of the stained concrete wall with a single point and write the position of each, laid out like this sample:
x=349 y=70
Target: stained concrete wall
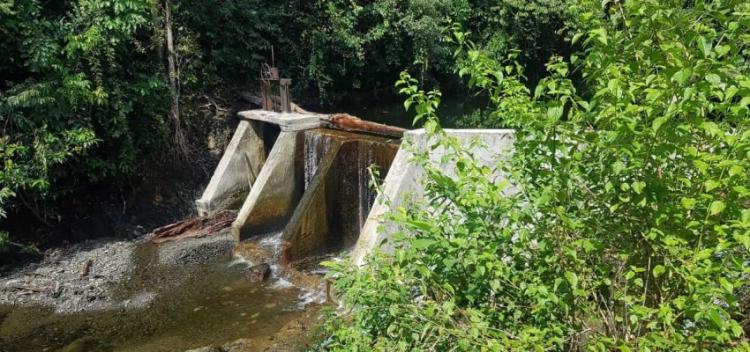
x=334 y=207
x=316 y=220
x=276 y=192
x=286 y=121
x=309 y=225
x=234 y=176
x=404 y=179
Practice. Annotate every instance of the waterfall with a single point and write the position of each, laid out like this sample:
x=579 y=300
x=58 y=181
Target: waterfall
x=316 y=145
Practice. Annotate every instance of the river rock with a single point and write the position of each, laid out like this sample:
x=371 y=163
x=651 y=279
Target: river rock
x=253 y=252
x=258 y=273
x=203 y=250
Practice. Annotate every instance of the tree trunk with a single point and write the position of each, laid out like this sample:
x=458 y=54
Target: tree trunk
x=174 y=78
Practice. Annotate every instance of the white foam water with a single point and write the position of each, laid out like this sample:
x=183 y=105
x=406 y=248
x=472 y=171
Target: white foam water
x=281 y=283
x=310 y=296
x=238 y=260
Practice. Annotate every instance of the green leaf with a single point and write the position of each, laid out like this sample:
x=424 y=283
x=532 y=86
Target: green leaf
x=659 y=270
x=688 y=203
x=422 y=243
x=725 y=284
x=600 y=34
x=407 y=104
x=715 y=318
x=638 y=186
x=743 y=239
x=554 y=113
x=572 y=279
x=682 y=76
x=711 y=185
x=658 y=122
x=713 y=78
x=716 y=207
x=705 y=46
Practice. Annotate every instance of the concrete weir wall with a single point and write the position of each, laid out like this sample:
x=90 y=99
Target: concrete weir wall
x=338 y=195
x=403 y=181
x=289 y=174
x=237 y=170
x=275 y=194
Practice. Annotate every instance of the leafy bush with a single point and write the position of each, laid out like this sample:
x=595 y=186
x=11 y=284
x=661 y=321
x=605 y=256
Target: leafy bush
x=630 y=227
x=537 y=27
x=80 y=99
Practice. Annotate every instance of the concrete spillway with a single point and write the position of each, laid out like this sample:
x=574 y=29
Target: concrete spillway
x=288 y=173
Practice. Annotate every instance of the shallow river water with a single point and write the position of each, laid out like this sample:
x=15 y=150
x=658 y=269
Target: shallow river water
x=195 y=306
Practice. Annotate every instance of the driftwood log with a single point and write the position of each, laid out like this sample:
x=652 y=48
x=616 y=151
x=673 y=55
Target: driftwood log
x=344 y=122
x=351 y=123
x=194 y=227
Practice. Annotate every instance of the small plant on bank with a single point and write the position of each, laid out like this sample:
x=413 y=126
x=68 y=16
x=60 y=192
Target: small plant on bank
x=629 y=226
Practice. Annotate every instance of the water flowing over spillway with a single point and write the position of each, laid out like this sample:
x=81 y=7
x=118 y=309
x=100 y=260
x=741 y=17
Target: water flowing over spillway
x=338 y=192
x=316 y=145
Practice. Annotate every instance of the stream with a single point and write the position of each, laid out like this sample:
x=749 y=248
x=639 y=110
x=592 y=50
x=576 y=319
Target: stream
x=182 y=306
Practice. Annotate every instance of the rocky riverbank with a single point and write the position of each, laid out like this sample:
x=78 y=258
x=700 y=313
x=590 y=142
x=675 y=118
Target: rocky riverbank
x=86 y=276
x=74 y=278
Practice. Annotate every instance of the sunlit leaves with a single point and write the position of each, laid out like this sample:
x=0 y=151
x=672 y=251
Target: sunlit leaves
x=73 y=75
x=631 y=225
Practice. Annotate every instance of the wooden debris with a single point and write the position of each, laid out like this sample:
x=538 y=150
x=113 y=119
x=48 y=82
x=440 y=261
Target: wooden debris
x=344 y=122
x=30 y=289
x=194 y=227
x=351 y=123
x=86 y=268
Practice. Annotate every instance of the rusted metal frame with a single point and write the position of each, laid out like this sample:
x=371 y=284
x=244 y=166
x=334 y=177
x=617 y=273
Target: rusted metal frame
x=270 y=82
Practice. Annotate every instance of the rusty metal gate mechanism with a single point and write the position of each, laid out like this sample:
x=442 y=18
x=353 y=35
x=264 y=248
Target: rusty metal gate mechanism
x=270 y=80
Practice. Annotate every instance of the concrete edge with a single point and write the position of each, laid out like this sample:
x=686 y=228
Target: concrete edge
x=273 y=196
x=404 y=178
x=298 y=221
x=232 y=175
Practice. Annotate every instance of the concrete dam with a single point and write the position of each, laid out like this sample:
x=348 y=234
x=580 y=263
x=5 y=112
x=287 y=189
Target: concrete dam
x=292 y=173
x=289 y=173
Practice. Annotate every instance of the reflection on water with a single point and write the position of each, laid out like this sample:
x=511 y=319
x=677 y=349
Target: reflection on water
x=210 y=304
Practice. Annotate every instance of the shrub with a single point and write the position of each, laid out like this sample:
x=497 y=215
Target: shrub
x=630 y=229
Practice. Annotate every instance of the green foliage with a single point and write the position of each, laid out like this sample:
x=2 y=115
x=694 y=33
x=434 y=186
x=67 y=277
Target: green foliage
x=537 y=27
x=225 y=45
x=628 y=226
x=343 y=47
x=363 y=45
x=80 y=99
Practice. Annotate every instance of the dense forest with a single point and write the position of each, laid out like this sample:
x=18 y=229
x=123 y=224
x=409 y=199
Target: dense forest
x=630 y=226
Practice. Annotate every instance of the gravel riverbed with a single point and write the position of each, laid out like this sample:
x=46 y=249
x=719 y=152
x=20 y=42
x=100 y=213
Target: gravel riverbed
x=83 y=276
